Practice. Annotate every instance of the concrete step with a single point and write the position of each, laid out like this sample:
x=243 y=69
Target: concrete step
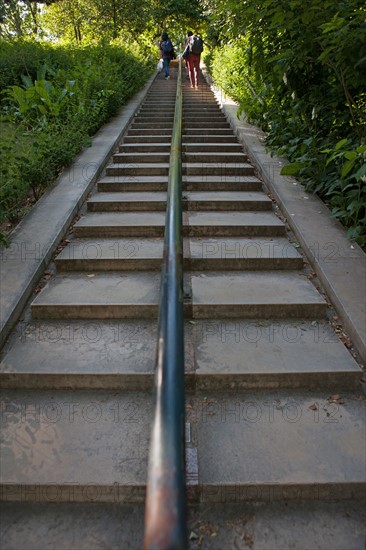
x=124 y=202
x=163 y=117
x=188 y=157
x=191 y=131
x=186 y=147
x=209 y=124
x=201 y=109
x=202 y=95
x=197 y=97
x=290 y=353
x=190 y=183
x=216 y=525
x=155 y=105
x=193 y=117
x=141 y=157
x=109 y=202
x=90 y=443
x=229 y=294
x=159 y=125
x=218 y=168
x=221 y=354
x=146 y=108
x=216 y=157
x=275 y=525
x=212 y=147
x=124 y=224
x=111 y=255
x=191 y=168
x=142 y=147
x=93 y=446
x=130 y=183
x=195 y=224
x=292 y=446
x=138 y=169
x=99 y=296
x=158 y=96
x=242 y=254
x=223 y=183
x=160 y=132
x=226 y=201
x=157 y=138
x=90 y=354
x=227 y=137
x=146 y=254
x=255 y=295
x=146 y=114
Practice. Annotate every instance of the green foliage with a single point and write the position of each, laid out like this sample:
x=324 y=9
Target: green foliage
x=25 y=57
x=298 y=69
x=347 y=194
x=95 y=21
x=38 y=103
x=49 y=118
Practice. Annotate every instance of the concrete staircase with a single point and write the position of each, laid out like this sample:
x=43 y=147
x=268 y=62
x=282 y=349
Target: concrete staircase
x=275 y=415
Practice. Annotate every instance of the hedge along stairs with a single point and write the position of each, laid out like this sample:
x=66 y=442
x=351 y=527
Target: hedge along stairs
x=275 y=418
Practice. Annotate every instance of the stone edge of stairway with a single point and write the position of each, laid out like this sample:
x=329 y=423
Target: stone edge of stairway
x=34 y=240
x=339 y=264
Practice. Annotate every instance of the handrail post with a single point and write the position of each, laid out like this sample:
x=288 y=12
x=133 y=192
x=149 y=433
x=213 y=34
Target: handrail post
x=165 y=521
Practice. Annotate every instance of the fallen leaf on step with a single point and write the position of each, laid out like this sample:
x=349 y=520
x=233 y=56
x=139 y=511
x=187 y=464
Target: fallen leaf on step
x=345 y=340
x=248 y=539
x=313 y=407
x=336 y=399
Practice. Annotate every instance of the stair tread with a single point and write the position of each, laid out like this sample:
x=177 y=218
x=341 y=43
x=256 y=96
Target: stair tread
x=102 y=439
x=158 y=165
x=186 y=178
x=78 y=526
x=218 y=196
x=266 y=353
x=280 y=439
x=254 y=287
x=82 y=438
x=213 y=288
x=100 y=289
x=227 y=347
x=232 y=218
x=218 y=247
x=88 y=349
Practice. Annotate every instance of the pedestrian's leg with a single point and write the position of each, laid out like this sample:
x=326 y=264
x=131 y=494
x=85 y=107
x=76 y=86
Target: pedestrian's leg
x=191 y=70
x=196 y=69
x=166 y=66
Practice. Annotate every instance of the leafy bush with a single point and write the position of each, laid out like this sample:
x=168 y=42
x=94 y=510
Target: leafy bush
x=298 y=70
x=25 y=57
x=51 y=109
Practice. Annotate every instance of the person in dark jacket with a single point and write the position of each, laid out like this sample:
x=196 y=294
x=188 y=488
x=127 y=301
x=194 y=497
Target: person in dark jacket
x=166 y=52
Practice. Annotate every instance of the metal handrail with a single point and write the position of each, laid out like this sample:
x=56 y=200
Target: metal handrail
x=165 y=514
